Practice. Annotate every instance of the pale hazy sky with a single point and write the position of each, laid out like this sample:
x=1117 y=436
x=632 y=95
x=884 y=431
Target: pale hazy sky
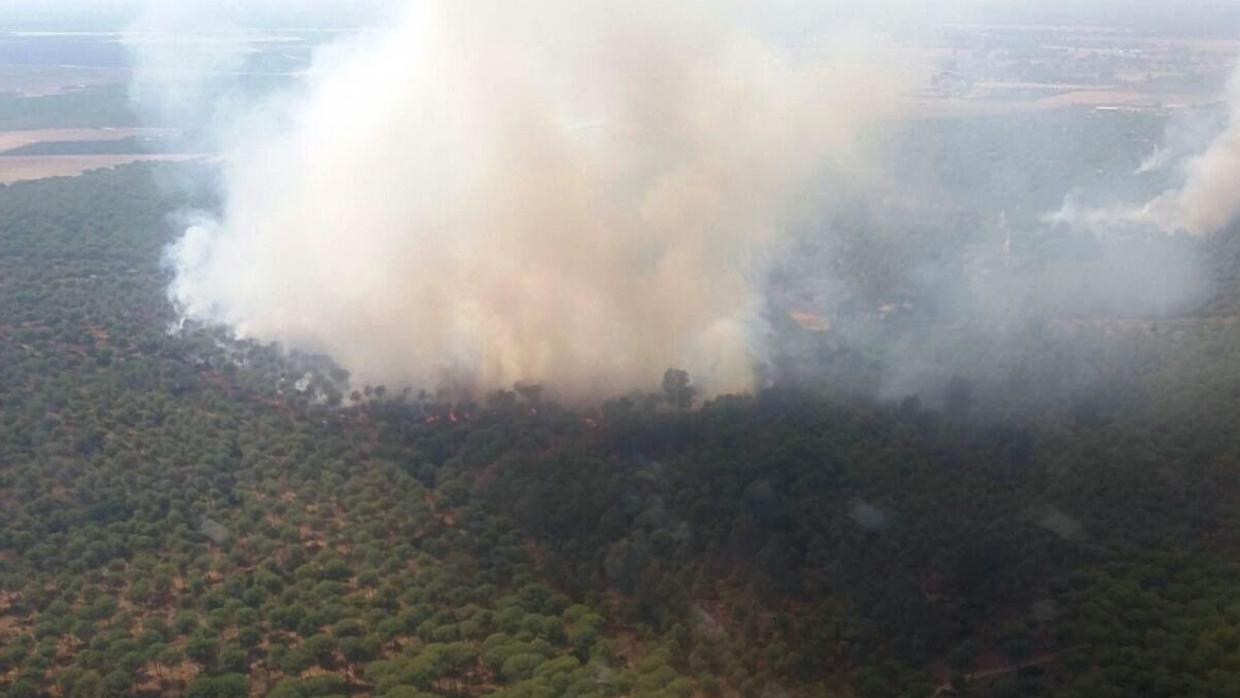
x=115 y=14
x=1219 y=18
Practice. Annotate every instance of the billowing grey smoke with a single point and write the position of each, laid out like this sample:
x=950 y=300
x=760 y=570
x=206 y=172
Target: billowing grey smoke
x=1210 y=197
x=1205 y=201
x=579 y=194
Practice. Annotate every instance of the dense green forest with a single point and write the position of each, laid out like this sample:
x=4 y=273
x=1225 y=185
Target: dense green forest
x=181 y=513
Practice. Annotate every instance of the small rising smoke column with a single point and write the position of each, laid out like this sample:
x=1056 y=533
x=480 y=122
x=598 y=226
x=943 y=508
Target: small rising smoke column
x=1205 y=201
x=572 y=194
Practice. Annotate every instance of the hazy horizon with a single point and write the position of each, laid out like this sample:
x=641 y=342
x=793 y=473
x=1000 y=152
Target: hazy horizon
x=1178 y=16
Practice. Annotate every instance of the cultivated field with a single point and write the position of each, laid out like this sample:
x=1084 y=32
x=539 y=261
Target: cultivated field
x=20 y=168
x=16 y=139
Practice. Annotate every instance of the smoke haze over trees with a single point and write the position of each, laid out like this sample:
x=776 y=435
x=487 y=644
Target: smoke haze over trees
x=474 y=198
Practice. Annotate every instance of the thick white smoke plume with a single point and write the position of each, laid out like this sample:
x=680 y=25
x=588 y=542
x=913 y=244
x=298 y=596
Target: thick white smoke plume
x=1210 y=197
x=577 y=194
x=1206 y=201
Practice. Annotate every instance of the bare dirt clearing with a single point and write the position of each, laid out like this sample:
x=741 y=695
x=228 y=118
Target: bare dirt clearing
x=16 y=139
